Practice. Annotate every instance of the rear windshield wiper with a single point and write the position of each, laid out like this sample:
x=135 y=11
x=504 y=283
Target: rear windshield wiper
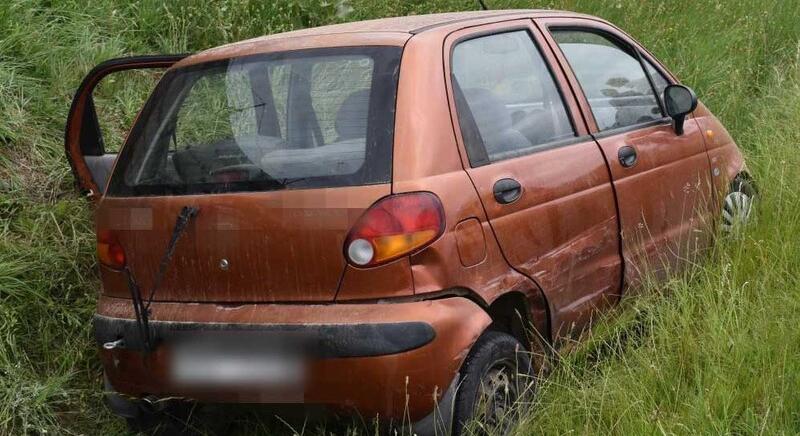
x=142 y=310
x=287 y=182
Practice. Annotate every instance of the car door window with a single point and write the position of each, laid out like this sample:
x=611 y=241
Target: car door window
x=506 y=98
x=611 y=77
x=659 y=80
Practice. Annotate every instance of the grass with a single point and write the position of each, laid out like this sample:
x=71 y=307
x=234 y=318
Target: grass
x=713 y=351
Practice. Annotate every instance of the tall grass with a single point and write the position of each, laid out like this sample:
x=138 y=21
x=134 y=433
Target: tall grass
x=716 y=352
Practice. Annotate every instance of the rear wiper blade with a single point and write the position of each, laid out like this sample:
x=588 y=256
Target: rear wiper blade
x=140 y=309
x=287 y=182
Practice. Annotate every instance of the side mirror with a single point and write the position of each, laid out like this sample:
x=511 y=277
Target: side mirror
x=679 y=101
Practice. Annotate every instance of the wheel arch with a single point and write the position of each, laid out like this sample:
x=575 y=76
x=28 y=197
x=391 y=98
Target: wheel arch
x=522 y=313
x=743 y=176
x=523 y=317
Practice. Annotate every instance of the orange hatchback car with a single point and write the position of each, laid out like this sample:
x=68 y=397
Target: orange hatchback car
x=392 y=217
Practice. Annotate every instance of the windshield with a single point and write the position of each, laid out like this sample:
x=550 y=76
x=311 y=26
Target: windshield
x=304 y=119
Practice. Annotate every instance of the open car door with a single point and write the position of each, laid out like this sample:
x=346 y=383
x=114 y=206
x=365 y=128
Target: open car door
x=83 y=140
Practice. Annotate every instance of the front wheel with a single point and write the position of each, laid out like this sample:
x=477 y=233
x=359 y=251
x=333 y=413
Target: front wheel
x=737 y=207
x=493 y=377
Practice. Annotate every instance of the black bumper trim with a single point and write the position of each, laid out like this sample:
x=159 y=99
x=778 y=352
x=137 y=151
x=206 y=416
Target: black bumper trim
x=328 y=340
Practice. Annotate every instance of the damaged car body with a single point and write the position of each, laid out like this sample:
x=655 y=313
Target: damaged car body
x=417 y=204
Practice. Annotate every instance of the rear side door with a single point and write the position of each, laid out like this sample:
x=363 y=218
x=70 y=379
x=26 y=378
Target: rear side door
x=662 y=180
x=541 y=178
x=83 y=139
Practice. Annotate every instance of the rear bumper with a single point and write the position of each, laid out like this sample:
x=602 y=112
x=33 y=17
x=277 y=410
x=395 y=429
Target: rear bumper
x=394 y=360
x=326 y=340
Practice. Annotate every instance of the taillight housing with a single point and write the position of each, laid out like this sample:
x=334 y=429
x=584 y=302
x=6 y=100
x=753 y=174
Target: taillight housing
x=109 y=251
x=393 y=227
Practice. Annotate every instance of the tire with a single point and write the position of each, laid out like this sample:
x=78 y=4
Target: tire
x=493 y=377
x=172 y=420
x=737 y=206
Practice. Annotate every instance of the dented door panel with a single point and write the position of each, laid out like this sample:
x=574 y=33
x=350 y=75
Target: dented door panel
x=663 y=198
x=562 y=231
x=664 y=194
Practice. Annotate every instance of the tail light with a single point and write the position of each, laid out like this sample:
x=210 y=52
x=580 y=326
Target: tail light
x=109 y=250
x=395 y=226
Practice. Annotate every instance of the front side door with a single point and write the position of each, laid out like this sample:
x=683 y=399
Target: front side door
x=542 y=179
x=83 y=140
x=662 y=179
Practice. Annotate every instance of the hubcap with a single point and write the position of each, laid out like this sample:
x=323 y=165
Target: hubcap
x=736 y=210
x=496 y=398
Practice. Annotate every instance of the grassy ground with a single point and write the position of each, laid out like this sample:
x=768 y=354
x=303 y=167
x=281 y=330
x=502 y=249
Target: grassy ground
x=714 y=351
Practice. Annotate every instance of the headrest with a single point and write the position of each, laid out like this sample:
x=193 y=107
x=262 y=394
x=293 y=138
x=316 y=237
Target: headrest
x=351 y=119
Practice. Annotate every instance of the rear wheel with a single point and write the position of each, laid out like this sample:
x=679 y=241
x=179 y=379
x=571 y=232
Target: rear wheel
x=737 y=207
x=493 y=377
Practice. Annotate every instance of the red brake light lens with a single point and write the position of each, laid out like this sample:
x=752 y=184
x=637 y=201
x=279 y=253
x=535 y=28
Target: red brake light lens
x=109 y=250
x=395 y=226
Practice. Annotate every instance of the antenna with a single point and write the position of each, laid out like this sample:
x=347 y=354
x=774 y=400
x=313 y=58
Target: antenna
x=483 y=5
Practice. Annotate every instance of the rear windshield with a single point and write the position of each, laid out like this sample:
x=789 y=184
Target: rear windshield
x=303 y=119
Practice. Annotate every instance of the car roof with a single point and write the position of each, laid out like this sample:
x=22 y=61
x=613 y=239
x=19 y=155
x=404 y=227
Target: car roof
x=389 y=30
x=406 y=24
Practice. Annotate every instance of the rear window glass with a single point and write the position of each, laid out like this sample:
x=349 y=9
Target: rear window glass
x=294 y=120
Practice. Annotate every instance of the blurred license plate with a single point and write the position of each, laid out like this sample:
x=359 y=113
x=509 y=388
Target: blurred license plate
x=236 y=360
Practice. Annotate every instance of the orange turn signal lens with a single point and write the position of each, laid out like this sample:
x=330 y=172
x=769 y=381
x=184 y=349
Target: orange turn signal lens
x=389 y=247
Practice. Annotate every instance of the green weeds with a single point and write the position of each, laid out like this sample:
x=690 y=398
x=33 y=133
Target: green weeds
x=714 y=351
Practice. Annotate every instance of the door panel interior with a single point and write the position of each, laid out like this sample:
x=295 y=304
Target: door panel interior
x=100 y=167
x=83 y=139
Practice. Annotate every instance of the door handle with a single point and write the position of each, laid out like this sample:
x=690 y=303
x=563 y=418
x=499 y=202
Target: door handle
x=507 y=191
x=627 y=156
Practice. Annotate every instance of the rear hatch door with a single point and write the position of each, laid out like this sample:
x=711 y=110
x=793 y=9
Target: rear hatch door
x=271 y=246
x=279 y=152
